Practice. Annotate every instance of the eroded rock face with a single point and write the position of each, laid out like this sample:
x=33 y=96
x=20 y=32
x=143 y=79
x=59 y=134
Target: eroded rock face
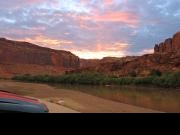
x=156 y=48
x=23 y=53
x=84 y=63
x=170 y=45
x=176 y=42
x=165 y=59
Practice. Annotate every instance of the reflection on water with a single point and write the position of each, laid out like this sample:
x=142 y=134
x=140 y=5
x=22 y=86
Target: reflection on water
x=159 y=99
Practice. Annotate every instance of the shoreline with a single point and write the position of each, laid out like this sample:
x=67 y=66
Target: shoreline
x=72 y=100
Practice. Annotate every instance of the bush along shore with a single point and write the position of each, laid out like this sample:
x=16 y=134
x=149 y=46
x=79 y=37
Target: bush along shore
x=166 y=80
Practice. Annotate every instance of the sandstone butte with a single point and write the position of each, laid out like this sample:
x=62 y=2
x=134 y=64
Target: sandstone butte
x=24 y=58
x=166 y=58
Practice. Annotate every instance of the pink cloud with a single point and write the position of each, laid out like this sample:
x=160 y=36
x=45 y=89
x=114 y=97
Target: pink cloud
x=107 y=2
x=122 y=17
x=118 y=46
x=118 y=49
x=47 y=42
x=127 y=18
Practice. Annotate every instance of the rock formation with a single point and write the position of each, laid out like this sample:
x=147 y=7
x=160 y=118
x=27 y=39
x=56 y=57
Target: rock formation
x=166 y=58
x=176 y=42
x=84 y=63
x=170 y=45
x=22 y=57
x=25 y=58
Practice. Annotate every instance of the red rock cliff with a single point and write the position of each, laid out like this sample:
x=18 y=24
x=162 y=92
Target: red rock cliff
x=22 y=57
x=170 y=45
x=166 y=58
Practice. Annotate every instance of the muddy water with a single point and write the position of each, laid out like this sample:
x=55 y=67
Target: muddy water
x=167 y=100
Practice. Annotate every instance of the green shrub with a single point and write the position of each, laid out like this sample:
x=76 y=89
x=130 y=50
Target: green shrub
x=167 y=80
x=155 y=73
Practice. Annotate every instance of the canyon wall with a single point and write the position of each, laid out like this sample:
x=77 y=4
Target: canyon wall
x=22 y=57
x=166 y=58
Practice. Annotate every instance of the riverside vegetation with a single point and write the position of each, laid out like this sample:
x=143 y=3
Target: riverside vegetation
x=156 y=78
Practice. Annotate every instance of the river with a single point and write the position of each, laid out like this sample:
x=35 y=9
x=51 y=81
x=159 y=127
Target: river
x=166 y=100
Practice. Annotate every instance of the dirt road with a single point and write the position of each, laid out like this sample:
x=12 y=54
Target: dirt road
x=69 y=101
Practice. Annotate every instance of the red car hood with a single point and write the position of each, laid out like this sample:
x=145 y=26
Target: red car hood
x=6 y=95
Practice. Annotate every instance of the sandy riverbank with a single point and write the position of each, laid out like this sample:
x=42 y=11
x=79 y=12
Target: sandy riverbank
x=69 y=101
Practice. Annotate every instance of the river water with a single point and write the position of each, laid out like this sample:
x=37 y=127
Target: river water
x=166 y=100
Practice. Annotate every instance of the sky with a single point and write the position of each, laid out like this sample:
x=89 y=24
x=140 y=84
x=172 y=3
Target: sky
x=91 y=28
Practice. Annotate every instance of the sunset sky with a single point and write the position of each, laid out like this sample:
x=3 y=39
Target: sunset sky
x=91 y=28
